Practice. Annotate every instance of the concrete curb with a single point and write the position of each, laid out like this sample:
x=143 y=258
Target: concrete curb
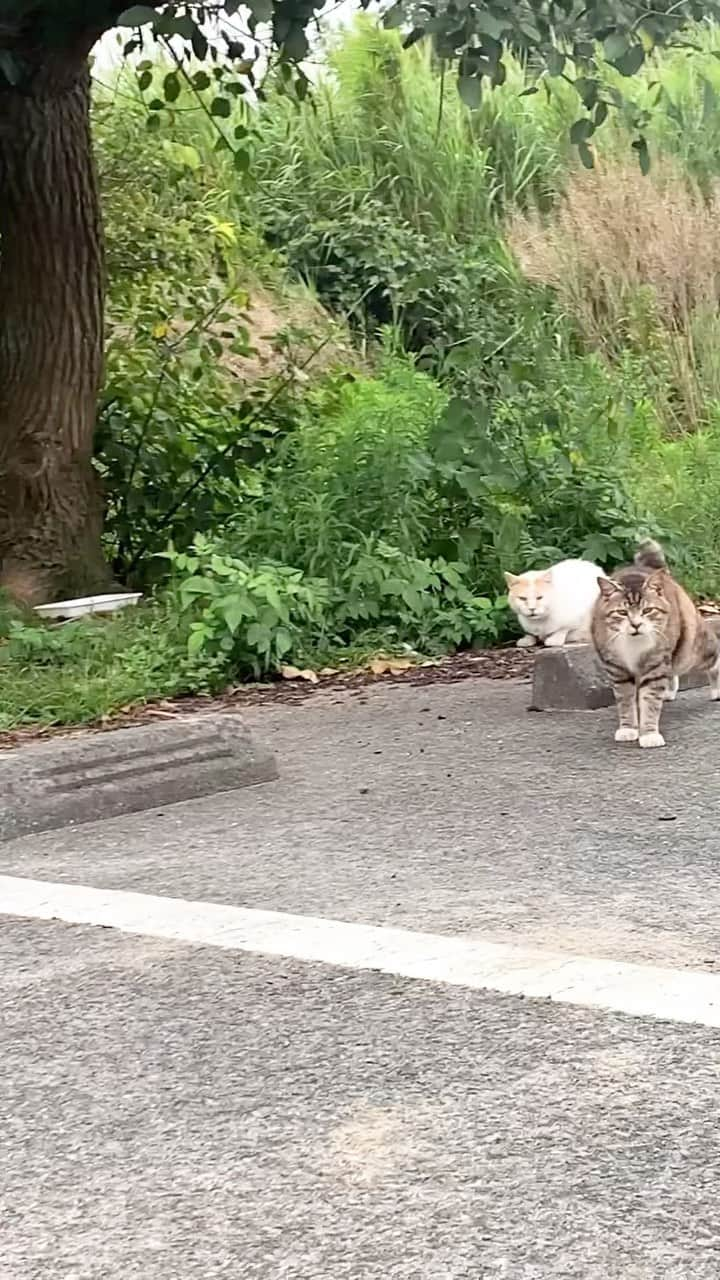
x=571 y=679
x=83 y=779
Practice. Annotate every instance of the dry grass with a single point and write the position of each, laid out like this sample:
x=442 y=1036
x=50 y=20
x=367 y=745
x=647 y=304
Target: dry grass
x=636 y=261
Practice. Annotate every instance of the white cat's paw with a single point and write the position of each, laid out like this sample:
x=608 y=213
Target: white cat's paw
x=556 y=639
x=671 y=692
x=651 y=740
x=714 y=694
x=626 y=734
x=526 y=642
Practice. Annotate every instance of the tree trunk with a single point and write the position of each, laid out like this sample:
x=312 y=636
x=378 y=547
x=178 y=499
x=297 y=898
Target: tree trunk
x=51 y=337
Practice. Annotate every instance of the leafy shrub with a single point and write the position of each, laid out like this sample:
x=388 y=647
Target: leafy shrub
x=244 y=618
x=356 y=465
x=425 y=602
x=250 y=618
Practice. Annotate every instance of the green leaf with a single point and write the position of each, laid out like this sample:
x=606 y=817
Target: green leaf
x=201 y=80
x=631 y=61
x=615 y=45
x=196 y=640
x=507 y=539
x=588 y=90
x=233 y=612
x=10 y=67
x=283 y=641
x=487 y=23
x=171 y=25
x=171 y=87
x=241 y=160
x=220 y=107
x=640 y=145
x=197 y=587
x=295 y=45
x=136 y=16
x=258 y=635
x=394 y=17
x=555 y=62
x=586 y=155
x=144 y=80
x=181 y=156
x=261 y=10
x=470 y=90
x=582 y=130
x=199 y=43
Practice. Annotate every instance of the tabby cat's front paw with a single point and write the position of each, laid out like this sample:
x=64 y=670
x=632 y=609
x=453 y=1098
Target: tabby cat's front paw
x=651 y=740
x=626 y=734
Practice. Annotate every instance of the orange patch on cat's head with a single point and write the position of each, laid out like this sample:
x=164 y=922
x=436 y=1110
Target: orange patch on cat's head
x=519 y=582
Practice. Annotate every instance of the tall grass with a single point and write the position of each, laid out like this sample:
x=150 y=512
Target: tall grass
x=389 y=124
x=636 y=262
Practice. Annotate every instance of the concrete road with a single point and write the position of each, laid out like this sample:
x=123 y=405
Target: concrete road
x=176 y=1110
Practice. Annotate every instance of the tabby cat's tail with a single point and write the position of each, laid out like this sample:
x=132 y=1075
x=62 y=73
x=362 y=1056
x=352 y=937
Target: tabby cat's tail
x=650 y=555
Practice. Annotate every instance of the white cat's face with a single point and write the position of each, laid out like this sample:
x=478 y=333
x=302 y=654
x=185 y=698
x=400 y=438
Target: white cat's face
x=529 y=593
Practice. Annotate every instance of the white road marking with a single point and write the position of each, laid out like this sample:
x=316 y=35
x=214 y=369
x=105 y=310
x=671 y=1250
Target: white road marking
x=676 y=995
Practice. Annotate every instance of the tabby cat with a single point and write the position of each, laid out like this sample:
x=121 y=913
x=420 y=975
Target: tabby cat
x=647 y=633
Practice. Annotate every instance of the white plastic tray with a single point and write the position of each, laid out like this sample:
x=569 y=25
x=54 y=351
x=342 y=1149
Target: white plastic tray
x=88 y=604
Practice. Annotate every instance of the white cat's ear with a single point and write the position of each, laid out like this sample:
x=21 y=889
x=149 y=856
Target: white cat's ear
x=546 y=576
x=608 y=587
x=510 y=578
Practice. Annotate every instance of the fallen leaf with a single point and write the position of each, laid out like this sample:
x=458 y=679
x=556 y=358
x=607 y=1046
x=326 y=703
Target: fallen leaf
x=294 y=673
x=328 y=671
x=387 y=666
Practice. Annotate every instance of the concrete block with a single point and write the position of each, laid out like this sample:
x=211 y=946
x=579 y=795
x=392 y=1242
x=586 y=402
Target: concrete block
x=100 y=775
x=570 y=678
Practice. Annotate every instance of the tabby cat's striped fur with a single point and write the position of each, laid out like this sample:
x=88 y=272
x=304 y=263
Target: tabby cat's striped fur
x=647 y=633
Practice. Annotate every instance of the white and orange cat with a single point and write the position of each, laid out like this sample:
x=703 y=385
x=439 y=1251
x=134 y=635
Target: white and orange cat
x=553 y=606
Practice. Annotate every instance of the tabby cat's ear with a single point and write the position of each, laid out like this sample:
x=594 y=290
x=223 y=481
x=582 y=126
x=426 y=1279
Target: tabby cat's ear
x=608 y=587
x=510 y=578
x=656 y=581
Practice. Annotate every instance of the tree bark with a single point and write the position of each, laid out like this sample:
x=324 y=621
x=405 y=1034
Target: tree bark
x=51 y=336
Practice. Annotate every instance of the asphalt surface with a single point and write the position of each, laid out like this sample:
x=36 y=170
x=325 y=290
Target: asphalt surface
x=187 y=1113
x=450 y=809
